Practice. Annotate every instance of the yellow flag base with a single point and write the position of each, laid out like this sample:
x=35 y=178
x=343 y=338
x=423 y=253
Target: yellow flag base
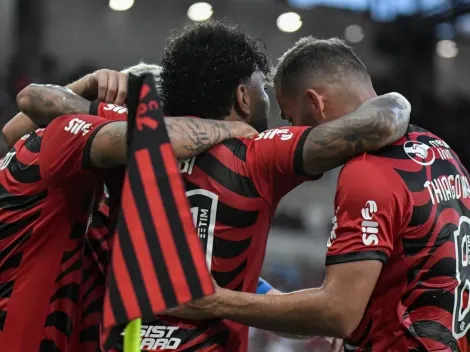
x=132 y=336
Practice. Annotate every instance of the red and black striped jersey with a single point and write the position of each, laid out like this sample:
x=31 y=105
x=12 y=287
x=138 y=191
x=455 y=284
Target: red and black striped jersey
x=408 y=206
x=46 y=197
x=233 y=191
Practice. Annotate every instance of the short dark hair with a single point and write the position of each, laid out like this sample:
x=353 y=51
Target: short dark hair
x=203 y=65
x=328 y=60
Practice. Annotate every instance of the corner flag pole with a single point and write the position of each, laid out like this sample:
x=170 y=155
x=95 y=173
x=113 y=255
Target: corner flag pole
x=132 y=336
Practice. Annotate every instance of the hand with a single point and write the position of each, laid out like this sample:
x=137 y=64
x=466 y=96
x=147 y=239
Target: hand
x=105 y=85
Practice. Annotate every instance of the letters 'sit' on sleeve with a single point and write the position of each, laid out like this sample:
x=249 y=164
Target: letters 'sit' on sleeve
x=65 y=146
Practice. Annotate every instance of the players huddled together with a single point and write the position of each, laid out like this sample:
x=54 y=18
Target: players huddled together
x=397 y=264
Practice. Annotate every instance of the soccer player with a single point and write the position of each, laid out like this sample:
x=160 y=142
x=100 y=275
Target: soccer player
x=398 y=273
x=48 y=183
x=212 y=70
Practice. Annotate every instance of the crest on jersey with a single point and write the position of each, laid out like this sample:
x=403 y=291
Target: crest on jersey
x=419 y=152
x=461 y=316
x=204 y=211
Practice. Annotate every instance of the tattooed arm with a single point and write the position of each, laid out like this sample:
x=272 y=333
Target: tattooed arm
x=189 y=137
x=54 y=100
x=376 y=123
x=43 y=103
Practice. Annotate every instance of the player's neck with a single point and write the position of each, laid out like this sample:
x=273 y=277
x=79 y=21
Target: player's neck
x=358 y=99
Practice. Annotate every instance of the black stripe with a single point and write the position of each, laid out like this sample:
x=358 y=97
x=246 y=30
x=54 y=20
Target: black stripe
x=14 y=245
x=143 y=209
x=176 y=226
x=90 y=334
x=12 y=228
x=299 y=154
x=438 y=298
x=435 y=331
x=77 y=265
x=356 y=256
x=239 y=287
x=23 y=173
x=115 y=299
x=78 y=230
x=94 y=307
x=94 y=107
x=12 y=262
x=100 y=219
x=229 y=249
x=33 y=143
x=48 y=346
x=236 y=218
x=414 y=180
x=220 y=338
x=6 y=289
x=69 y=291
x=237 y=147
x=132 y=264
x=444 y=267
x=12 y=202
x=61 y=321
x=223 y=278
x=231 y=180
x=69 y=254
x=3 y=316
x=98 y=281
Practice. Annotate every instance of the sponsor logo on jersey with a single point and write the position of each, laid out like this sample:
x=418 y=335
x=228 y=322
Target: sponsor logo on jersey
x=283 y=133
x=419 y=152
x=333 y=233
x=115 y=108
x=204 y=212
x=370 y=228
x=77 y=126
x=157 y=338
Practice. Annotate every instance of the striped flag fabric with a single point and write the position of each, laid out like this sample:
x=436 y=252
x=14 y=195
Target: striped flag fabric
x=157 y=261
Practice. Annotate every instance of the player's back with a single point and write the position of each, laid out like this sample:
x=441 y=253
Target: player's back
x=233 y=191
x=421 y=300
x=46 y=195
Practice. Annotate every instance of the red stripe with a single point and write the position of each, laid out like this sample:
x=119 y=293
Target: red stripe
x=165 y=237
x=144 y=256
x=176 y=184
x=123 y=281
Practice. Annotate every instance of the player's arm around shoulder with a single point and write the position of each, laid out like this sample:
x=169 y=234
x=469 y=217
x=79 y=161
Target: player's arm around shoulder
x=374 y=124
x=364 y=199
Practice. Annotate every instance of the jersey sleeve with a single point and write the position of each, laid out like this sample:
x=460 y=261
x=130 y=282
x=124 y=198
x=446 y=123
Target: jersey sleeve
x=275 y=161
x=108 y=111
x=65 y=145
x=372 y=206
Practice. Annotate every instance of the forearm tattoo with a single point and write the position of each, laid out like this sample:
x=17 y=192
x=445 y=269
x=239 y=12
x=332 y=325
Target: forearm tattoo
x=191 y=136
x=43 y=103
x=375 y=124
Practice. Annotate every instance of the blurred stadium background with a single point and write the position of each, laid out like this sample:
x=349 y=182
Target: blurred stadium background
x=419 y=48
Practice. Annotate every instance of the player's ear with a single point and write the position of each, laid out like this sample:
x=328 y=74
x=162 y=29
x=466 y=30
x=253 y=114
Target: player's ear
x=242 y=100
x=316 y=104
